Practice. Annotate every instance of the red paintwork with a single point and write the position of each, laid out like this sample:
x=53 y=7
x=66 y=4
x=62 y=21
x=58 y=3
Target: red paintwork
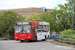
x=25 y=36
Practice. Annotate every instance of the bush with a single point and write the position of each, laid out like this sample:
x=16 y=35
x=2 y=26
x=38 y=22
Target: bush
x=67 y=32
x=71 y=36
x=55 y=38
x=4 y=38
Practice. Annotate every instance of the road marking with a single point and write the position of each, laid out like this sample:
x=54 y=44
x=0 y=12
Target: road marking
x=60 y=46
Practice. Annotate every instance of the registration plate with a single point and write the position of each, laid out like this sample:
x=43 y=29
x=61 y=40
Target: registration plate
x=22 y=39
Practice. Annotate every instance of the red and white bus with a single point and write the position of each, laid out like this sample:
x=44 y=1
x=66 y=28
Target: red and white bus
x=28 y=30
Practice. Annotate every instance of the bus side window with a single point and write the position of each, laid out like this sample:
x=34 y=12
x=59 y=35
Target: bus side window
x=39 y=28
x=36 y=26
x=44 y=28
x=48 y=27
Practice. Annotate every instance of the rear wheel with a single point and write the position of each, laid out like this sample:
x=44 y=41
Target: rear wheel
x=48 y=36
x=44 y=39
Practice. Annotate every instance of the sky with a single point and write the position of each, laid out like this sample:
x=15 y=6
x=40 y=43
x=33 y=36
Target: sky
x=14 y=4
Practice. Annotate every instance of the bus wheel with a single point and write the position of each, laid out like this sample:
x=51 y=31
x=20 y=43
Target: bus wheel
x=36 y=38
x=44 y=39
x=21 y=40
x=48 y=36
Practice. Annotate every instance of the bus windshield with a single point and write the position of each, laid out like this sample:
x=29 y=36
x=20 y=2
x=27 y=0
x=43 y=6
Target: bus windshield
x=23 y=29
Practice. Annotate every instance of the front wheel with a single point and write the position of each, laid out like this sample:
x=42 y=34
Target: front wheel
x=21 y=40
x=36 y=38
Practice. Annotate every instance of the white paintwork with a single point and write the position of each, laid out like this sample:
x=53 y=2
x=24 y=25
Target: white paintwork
x=43 y=23
x=41 y=35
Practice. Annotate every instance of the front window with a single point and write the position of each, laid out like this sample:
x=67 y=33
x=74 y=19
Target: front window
x=23 y=29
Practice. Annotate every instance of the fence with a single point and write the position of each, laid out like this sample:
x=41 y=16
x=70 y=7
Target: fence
x=12 y=37
x=65 y=38
x=51 y=37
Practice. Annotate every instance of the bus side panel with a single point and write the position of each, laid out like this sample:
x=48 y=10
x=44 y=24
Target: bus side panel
x=40 y=35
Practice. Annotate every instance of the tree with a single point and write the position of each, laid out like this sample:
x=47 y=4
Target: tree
x=60 y=17
x=46 y=17
x=7 y=21
x=64 y=14
x=34 y=17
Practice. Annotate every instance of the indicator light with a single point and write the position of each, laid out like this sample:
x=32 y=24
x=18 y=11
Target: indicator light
x=15 y=37
x=28 y=36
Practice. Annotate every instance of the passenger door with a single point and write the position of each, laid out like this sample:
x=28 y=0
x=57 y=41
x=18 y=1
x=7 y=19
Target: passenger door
x=33 y=31
x=40 y=34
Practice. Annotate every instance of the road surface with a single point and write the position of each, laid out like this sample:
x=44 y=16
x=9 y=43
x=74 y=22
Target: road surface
x=40 y=45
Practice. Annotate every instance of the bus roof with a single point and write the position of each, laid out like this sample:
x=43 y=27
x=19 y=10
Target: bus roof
x=34 y=22
x=25 y=21
x=44 y=23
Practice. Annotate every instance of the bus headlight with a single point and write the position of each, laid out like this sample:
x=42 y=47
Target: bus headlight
x=15 y=37
x=28 y=36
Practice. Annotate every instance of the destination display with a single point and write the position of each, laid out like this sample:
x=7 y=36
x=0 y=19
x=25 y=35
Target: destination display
x=22 y=23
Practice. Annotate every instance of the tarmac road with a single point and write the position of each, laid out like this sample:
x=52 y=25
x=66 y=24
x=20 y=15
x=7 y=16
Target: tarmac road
x=30 y=45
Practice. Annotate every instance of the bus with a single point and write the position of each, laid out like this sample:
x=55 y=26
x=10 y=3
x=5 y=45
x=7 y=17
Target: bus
x=29 y=30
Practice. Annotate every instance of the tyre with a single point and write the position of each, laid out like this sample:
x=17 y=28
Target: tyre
x=36 y=38
x=44 y=39
x=21 y=40
x=48 y=36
